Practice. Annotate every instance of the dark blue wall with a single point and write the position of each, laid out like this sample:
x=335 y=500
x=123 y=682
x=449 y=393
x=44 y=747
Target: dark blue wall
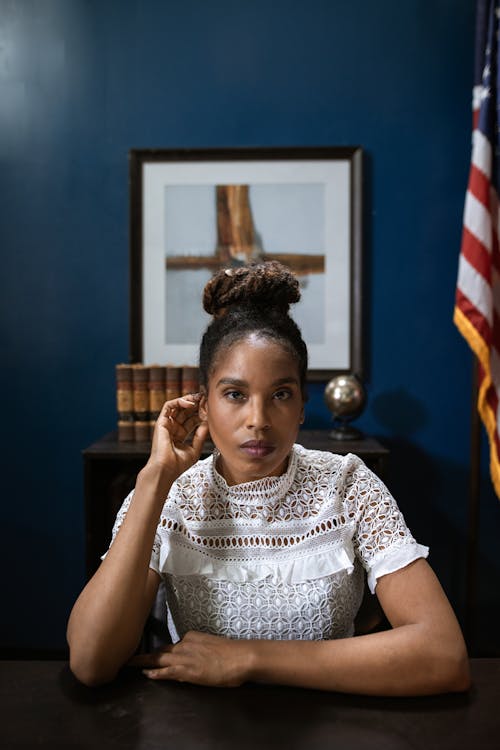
x=82 y=82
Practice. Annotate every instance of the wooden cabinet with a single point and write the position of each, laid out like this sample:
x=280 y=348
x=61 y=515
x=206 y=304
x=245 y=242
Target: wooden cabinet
x=111 y=468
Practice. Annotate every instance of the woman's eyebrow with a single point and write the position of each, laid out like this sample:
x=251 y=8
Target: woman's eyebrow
x=231 y=381
x=283 y=381
x=243 y=383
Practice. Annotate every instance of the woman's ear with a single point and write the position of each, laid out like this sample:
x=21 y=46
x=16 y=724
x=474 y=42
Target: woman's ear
x=202 y=407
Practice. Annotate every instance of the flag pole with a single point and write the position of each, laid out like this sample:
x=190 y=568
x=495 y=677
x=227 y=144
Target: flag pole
x=473 y=516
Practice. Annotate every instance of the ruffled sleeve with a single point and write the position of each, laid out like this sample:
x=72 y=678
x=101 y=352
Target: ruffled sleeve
x=382 y=540
x=154 y=562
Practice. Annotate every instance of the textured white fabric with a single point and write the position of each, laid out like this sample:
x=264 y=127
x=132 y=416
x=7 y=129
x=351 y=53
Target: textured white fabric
x=280 y=557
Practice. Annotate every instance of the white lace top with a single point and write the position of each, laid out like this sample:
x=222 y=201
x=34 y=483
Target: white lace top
x=280 y=557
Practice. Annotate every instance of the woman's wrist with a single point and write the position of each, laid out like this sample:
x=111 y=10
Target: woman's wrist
x=156 y=480
x=282 y=662
x=250 y=659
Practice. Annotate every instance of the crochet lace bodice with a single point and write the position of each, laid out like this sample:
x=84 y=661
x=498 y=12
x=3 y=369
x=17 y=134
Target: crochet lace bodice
x=280 y=557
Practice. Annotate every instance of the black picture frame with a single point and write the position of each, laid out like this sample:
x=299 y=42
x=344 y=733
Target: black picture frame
x=340 y=172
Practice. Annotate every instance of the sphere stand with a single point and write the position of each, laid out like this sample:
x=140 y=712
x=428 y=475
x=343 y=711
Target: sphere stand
x=344 y=431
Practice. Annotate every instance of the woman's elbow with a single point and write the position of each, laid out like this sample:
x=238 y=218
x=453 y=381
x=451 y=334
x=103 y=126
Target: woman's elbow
x=460 y=677
x=453 y=674
x=87 y=665
x=89 y=674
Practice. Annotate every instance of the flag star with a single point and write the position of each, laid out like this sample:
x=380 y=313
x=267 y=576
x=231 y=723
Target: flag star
x=487 y=70
x=485 y=93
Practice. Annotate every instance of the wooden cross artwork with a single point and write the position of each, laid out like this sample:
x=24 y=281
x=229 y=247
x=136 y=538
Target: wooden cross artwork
x=238 y=242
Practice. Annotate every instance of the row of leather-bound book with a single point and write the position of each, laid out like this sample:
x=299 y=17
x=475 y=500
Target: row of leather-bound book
x=141 y=391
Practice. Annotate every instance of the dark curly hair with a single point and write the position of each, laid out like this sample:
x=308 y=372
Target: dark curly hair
x=251 y=299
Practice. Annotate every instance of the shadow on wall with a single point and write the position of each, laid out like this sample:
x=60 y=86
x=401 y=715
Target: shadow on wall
x=399 y=412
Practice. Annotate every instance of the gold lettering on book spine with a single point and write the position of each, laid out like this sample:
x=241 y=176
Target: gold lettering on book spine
x=173 y=385
x=140 y=376
x=156 y=389
x=124 y=389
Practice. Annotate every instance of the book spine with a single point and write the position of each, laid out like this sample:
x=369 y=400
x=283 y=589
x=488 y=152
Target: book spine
x=173 y=382
x=142 y=432
x=141 y=391
x=140 y=380
x=157 y=374
x=125 y=402
x=190 y=380
x=126 y=430
x=156 y=390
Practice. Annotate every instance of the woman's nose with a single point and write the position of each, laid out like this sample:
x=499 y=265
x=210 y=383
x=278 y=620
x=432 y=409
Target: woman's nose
x=257 y=416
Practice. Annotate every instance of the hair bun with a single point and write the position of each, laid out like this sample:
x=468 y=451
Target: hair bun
x=263 y=285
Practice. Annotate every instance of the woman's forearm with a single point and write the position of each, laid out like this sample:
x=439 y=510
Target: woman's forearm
x=107 y=619
x=407 y=660
x=423 y=653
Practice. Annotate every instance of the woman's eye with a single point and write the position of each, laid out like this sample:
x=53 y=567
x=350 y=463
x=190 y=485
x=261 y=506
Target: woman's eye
x=233 y=395
x=282 y=395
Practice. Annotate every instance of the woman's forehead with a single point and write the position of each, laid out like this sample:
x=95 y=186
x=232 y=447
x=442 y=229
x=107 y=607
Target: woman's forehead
x=255 y=348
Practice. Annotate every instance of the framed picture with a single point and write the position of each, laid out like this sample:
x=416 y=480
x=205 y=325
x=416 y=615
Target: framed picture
x=195 y=211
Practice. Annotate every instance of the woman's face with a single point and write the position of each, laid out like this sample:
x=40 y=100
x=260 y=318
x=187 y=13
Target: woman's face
x=254 y=407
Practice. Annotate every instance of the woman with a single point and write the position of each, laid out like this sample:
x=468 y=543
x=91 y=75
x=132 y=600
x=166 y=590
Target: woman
x=262 y=546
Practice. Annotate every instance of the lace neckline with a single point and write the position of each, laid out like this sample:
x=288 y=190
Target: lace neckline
x=268 y=488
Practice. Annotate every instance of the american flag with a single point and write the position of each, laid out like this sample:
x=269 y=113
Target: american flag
x=477 y=304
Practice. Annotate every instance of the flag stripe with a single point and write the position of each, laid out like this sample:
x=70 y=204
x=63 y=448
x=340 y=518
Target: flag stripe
x=472 y=314
x=475 y=288
x=477 y=255
x=481 y=152
x=479 y=185
x=477 y=219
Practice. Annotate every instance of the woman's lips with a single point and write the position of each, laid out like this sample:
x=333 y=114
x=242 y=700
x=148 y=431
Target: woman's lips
x=257 y=448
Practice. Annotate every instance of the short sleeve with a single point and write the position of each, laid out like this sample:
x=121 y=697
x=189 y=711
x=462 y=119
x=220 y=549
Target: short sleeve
x=382 y=540
x=154 y=562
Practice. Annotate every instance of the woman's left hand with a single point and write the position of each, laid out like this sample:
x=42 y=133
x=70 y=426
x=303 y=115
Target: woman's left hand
x=200 y=658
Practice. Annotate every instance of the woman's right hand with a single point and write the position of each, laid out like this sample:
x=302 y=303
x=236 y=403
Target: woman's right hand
x=170 y=454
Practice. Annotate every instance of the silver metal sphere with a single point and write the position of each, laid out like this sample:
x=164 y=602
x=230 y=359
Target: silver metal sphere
x=345 y=397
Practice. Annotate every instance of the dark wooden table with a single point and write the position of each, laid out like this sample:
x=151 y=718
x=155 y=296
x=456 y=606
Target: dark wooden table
x=43 y=706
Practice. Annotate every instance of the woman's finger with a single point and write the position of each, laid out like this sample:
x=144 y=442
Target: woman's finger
x=162 y=673
x=176 y=413
x=150 y=659
x=186 y=401
x=199 y=437
x=167 y=665
x=180 y=410
x=183 y=402
x=191 y=422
